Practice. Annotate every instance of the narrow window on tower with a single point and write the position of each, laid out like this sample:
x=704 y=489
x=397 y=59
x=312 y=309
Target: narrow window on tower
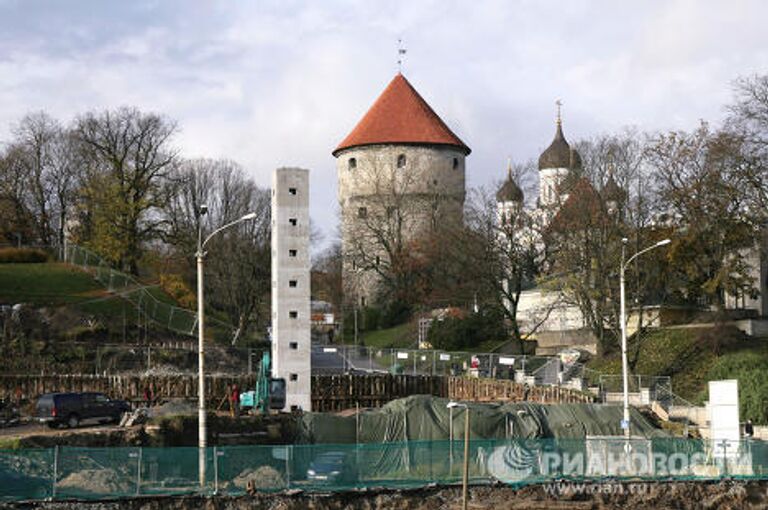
x=362 y=212
x=292 y=191
x=401 y=161
x=292 y=253
x=293 y=283
x=378 y=260
x=294 y=377
x=455 y=163
x=293 y=221
x=352 y=163
x=293 y=346
x=293 y=314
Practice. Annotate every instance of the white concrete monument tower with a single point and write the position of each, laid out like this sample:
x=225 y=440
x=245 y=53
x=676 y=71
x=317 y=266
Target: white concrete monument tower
x=291 y=358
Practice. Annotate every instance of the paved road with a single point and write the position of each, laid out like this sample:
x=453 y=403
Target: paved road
x=331 y=359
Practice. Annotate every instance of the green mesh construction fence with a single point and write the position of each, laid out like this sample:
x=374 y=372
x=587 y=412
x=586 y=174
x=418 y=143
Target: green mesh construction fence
x=107 y=473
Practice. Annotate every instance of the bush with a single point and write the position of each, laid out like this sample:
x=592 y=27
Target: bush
x=456 y=333
x=22 y=256
x=370 y=319
x=394 y=314
x=749 y=368
x=174 y=286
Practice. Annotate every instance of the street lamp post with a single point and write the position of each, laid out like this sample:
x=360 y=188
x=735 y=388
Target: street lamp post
x=623 y=325
x=465 y=473
x=202 y=430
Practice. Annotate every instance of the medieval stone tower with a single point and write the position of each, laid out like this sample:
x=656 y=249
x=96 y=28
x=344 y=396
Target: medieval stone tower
x=401 y=175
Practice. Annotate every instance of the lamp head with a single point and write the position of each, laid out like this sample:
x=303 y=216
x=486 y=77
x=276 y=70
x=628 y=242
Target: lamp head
x=248 y=216
x=663 y=242
x=453 y=405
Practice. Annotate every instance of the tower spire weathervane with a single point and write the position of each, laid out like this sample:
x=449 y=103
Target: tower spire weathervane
x=559 y=106
x=400 y=52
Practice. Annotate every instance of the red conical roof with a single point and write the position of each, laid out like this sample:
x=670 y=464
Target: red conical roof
x=400 y=115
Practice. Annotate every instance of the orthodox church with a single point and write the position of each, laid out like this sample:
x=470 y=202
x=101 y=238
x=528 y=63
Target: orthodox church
x=562 y=192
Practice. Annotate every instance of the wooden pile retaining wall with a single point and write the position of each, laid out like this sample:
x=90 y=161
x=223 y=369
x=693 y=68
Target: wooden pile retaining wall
x=329 y=392
x=345 y=391
x=500 y=390
x=128 y=387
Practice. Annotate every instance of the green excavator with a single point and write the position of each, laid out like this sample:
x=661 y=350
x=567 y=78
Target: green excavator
x=269 y=393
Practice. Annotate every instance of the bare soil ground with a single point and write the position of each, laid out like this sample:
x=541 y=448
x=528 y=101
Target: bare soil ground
x=35 y=435
x=727 y=495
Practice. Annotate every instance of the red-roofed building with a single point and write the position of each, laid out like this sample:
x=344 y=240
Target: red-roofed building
x=401 y=116
x=401 y=175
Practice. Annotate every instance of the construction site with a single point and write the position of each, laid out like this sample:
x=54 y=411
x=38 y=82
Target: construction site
x=355 y=426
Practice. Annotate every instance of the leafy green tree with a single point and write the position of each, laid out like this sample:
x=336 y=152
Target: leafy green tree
x=703 y=182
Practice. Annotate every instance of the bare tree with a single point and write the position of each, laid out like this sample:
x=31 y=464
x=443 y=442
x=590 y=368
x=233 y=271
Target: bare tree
x=326 y=275
x=389 y=234
x=128 y=155
x=239 y=259
x=16 y=219
x=502 y=249
x=38 y=176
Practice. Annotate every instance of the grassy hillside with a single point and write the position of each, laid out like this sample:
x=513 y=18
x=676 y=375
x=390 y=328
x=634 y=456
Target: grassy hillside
x=692 y=357
x=47 y=284
x=65 y=287
x=398 y=336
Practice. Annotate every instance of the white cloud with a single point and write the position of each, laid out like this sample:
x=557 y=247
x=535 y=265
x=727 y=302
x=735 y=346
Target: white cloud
x=281 y=83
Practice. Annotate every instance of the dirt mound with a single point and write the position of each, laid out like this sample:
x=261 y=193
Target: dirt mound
x=174 y=407
x=265 y=477
x=100 y=481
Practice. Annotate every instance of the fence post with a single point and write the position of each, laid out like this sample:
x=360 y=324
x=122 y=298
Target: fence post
x=55 y=470
x=288 y=460
x=138 y=473
x=215 y=470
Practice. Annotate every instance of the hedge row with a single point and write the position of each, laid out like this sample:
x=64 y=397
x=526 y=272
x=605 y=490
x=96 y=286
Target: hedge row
x=22 y=255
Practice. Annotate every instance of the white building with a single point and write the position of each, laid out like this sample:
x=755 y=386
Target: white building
x=291 y=349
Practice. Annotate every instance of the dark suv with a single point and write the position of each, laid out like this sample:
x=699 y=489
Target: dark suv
x=56 y=409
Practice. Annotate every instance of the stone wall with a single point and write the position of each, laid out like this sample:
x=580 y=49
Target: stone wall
x=377 y=197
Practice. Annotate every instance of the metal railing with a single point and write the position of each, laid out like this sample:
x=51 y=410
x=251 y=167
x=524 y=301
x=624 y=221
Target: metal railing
x=365 y=359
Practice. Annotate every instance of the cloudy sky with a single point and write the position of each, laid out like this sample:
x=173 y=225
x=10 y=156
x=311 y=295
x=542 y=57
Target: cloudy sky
x=280 y=83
